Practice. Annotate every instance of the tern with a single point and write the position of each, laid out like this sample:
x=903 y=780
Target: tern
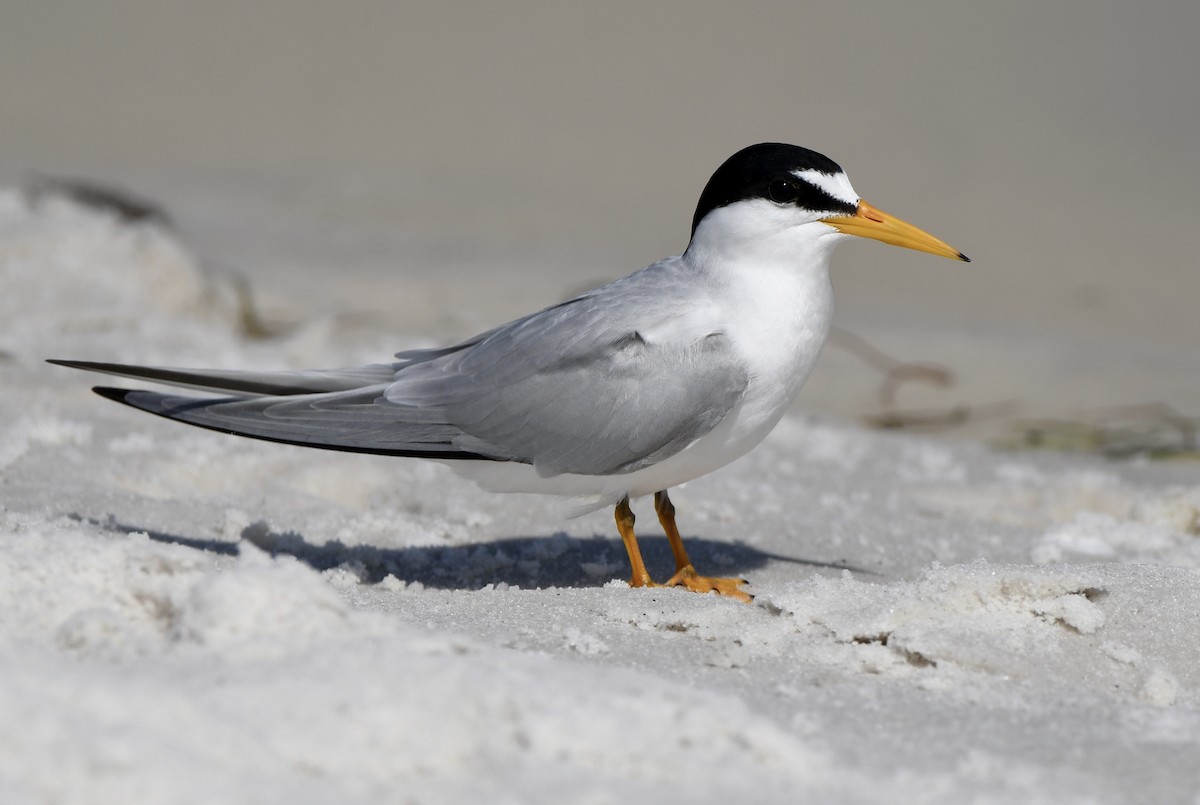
x=621 y=392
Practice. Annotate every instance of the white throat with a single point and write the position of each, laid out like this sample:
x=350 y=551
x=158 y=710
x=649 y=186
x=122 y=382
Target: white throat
x=772 y=281
x=758 y=236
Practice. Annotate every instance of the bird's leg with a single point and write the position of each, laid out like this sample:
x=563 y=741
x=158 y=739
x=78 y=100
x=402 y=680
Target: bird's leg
x=625 y=519
x=686 y=575
x=666 y=516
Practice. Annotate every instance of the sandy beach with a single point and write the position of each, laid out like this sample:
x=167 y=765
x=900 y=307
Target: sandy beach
x=942 y=614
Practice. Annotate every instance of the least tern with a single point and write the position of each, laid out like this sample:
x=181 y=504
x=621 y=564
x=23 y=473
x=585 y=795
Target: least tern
x=624 y=391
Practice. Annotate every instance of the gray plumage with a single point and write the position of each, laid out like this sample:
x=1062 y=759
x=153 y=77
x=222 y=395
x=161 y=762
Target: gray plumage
x=602 y=384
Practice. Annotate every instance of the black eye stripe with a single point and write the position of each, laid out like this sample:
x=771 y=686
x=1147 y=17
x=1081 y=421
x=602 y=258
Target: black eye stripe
x=768 y=171
x=812 y=197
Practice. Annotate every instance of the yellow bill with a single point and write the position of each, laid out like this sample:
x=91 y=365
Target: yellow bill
x=871 y=222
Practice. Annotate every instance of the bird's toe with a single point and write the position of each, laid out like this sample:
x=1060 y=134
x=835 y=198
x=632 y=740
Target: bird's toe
x=689 y=579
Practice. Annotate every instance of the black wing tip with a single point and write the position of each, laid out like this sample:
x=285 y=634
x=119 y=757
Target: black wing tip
x=963 y=257
x=115 y=394
x=88 y=366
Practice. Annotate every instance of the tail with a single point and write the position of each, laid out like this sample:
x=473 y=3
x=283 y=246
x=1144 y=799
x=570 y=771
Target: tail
x=336 y=409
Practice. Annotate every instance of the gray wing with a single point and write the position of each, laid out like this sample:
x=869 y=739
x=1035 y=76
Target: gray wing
x=354 y=421
x=610 y=382
x=587 y=387
x=616 y=408
x=336 y=409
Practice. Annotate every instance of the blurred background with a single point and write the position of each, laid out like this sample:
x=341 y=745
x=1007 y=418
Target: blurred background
x=436 y=168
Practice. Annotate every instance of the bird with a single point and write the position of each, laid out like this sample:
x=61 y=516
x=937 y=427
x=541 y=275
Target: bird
x=621 y=392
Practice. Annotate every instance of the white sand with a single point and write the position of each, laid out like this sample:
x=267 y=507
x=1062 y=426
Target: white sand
x=190 y=617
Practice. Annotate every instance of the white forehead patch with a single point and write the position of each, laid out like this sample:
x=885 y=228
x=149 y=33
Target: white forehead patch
x=835 y=184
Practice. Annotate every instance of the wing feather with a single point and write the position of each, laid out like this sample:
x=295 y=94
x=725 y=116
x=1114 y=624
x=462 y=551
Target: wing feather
x=607 y=383
x=579 y=389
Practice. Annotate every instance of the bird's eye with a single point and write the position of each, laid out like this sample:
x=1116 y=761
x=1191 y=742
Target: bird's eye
x=782 y=191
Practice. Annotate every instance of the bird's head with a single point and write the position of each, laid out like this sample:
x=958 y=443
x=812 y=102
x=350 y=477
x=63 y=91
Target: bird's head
x=779 y=198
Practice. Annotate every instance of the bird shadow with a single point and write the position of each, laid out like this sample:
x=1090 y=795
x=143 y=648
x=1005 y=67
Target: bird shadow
x=557 y=560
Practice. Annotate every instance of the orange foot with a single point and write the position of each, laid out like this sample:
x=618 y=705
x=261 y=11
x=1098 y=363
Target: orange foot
x=689 y=579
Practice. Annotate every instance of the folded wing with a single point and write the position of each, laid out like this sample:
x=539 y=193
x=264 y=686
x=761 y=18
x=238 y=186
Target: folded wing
x=604 y=384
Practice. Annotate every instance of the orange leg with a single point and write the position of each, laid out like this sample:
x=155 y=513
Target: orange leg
x=666 y=517
x=686 y=575
x=625 y=519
